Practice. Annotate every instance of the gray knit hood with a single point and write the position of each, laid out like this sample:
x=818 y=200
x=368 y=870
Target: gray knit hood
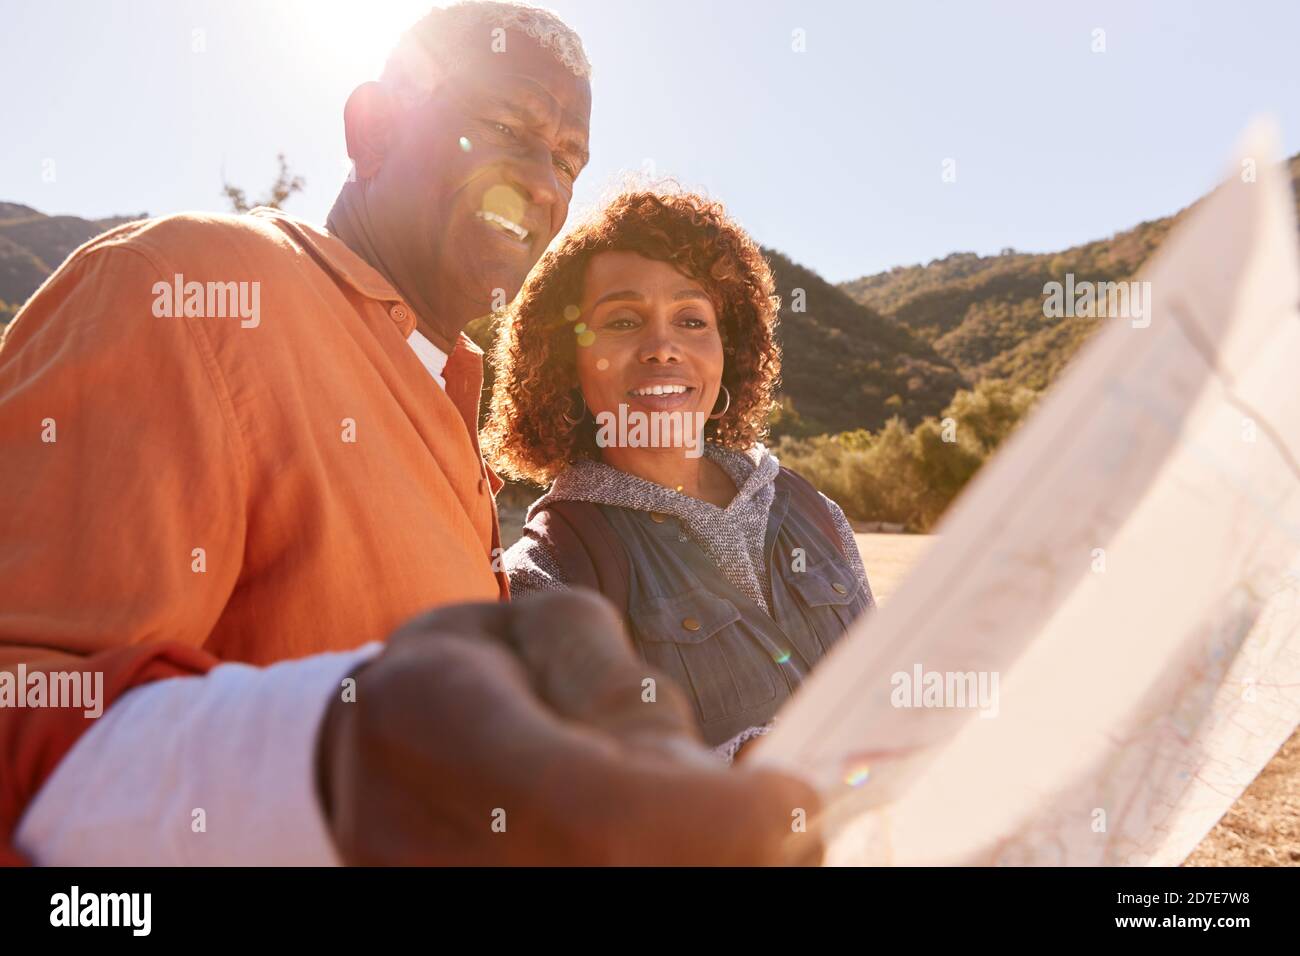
x=731 y=536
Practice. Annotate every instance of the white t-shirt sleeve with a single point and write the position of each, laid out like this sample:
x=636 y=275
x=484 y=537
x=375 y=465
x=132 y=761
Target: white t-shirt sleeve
x=196 y=771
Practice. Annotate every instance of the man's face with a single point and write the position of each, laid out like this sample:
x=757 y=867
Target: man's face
x=478 y=178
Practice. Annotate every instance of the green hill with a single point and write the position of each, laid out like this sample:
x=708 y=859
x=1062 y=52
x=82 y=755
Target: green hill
x=32 y=245
x=899 y=343
x=845 y=365
x=984 y=314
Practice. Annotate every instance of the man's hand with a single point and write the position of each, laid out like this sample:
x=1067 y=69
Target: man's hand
x=517 y=734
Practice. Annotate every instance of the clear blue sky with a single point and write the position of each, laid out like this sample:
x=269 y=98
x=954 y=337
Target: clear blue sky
x=832 y=155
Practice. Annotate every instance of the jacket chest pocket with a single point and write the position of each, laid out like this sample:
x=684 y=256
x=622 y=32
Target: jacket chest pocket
x=694 y=638
x=832 y=596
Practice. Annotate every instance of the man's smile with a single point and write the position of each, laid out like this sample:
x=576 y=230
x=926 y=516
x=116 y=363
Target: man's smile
x=507 y=226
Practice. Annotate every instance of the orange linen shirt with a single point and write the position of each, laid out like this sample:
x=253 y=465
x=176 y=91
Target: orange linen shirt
x=180 y=490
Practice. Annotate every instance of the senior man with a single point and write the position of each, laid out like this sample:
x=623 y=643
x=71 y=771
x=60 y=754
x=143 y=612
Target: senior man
x=224 y=518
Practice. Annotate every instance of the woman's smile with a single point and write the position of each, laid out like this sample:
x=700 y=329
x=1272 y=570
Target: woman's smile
x=662 y=395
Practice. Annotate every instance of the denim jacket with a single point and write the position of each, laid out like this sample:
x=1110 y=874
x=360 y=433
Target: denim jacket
x=737 y=654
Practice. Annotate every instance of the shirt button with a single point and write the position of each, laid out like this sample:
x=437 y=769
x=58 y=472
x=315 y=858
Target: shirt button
x=658 y=518
x=691 y=624
x=839 y=588
x=398 y=313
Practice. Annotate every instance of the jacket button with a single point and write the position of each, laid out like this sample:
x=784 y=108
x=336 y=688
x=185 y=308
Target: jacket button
x=691 y=624
x=398 y=313
x=839 y=588
x=658 y=518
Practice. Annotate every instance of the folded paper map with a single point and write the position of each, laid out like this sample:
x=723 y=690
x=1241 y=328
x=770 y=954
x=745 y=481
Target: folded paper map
x=1102 y=649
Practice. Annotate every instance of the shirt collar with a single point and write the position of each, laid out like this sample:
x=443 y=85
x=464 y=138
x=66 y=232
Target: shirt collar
x=334 y=254
x=463 y=371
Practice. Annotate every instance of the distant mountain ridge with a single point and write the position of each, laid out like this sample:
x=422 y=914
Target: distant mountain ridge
x=984 y=314
x=33 y=245
x=845 y=365
x=897 y=343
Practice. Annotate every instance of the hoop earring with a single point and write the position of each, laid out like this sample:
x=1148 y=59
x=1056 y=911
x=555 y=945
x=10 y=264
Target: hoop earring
x=717 y=415
x=574 y=421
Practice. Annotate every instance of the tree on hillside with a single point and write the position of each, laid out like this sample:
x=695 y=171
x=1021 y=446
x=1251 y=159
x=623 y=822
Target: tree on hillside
x=908 y=475
x=285 y=185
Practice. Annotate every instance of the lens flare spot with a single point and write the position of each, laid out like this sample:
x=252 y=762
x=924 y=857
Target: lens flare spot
x=857 y=775
x=571 y=313
x=782 y=658
x=602 y=365
x=580 y=328
x=586 y=338
x=465 y=144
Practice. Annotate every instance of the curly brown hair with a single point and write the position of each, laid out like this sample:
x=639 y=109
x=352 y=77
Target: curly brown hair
x=526 y=435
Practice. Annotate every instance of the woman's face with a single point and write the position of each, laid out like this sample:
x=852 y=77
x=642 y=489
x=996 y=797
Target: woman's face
x=654 y=344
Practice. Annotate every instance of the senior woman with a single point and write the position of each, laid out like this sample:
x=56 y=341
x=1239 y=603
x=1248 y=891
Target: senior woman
x=634 y=376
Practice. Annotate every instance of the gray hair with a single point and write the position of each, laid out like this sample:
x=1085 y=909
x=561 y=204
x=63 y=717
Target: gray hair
x=435 y=46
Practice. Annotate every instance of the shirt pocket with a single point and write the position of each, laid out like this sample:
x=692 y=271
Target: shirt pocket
x=833 y=596
x=699 y=639
x=830 y=581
